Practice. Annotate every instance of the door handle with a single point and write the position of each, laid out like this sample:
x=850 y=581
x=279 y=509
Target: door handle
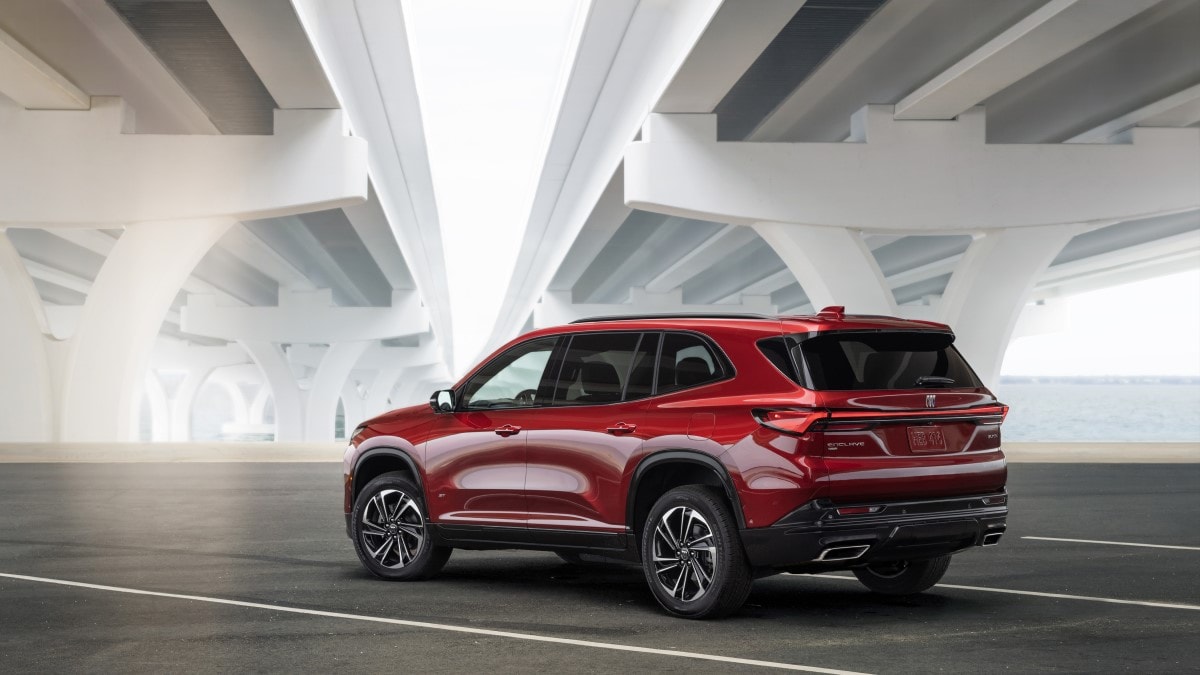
x=622 y=428
x=508 y=430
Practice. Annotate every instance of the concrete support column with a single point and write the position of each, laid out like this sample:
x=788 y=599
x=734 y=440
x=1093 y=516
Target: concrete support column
x=416 y=385
x=833 y=266
x=240 y=406
x=379 y=395
x=181 y=404
x=111 y=348
x=326 y=387
x=289 y=399
x=989 y=289
x=160 y=415
x=353 y=405
x=258 y=406
x=26 y=397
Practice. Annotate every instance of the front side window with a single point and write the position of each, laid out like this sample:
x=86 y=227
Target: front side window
x=596 y=368
x=686 y=361
x=511 y=380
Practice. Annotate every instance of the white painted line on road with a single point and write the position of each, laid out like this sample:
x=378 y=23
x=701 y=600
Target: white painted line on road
x=1062 y=596
x=445 y=627
x=1115 y=543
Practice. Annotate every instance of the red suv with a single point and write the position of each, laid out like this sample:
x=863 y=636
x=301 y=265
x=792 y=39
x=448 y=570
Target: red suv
x=712 y=449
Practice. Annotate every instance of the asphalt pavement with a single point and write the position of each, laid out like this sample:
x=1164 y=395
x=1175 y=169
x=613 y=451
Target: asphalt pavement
x=272 y=584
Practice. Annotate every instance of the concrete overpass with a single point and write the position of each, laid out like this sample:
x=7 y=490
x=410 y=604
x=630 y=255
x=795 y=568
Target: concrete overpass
x=241 y=191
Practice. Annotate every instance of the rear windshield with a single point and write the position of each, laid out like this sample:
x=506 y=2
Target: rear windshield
x=849 y=360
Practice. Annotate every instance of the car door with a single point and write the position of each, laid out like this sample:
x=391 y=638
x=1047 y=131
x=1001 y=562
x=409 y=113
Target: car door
x=580 y=445
x=475 y=462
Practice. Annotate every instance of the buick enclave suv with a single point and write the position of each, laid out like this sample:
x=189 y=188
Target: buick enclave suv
x=711 y=449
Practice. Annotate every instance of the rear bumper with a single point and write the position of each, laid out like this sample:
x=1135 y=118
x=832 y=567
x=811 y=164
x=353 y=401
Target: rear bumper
x=816 y=538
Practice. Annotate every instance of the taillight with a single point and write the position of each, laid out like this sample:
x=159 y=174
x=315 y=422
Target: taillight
x=1003 y=413
x=789 y=420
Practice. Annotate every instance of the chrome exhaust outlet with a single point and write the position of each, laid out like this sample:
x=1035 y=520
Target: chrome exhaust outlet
x=841 y=553
x=992 y=538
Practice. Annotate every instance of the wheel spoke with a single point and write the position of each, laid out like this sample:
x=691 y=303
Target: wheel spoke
x=697 y=540
x=687 y=524
x=665 y=531
x=380 y=552
x=680 y=585
x=702 y=577
x=405 y=504
x=373 y=529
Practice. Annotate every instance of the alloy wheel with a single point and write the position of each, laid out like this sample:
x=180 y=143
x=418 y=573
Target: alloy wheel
x=684 y=553
x=393 y=529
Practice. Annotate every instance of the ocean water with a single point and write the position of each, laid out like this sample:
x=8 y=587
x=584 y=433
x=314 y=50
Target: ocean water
x=1101 y=412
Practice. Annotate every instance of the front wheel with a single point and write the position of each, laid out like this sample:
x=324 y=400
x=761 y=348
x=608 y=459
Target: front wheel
x=692 y=555
x=903 y=577
x=390 y=531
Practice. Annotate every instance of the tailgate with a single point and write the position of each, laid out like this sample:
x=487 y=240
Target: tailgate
x=890 y=454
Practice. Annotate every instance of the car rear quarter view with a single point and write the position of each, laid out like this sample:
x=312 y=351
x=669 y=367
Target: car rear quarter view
x=710 y=449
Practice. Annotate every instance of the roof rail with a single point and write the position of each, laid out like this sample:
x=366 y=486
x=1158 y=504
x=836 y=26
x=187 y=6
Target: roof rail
x=713 y=315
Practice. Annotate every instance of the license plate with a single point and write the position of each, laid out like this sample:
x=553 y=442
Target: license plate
x=926 y=440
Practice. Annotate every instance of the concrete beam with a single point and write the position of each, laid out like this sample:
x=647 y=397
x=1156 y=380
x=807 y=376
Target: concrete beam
x=1049 y=32
x=244 y=245
x=922 y=176
x=1181 y=109
x=305 y=317
x=725 y=241
x=269 y=34
x=106 y=176
x=627 y=56
x=557 y=308
x=33 y=83
x=733 y=39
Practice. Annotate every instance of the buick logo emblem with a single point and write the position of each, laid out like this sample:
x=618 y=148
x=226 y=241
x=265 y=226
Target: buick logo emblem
x=930 y=401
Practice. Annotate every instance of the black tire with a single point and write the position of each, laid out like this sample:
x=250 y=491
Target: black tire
x=395 y=545
x=904 y=577
x=724 y=563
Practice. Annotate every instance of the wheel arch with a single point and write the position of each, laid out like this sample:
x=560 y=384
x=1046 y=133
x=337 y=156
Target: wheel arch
x=661 y=471
x=380 y=460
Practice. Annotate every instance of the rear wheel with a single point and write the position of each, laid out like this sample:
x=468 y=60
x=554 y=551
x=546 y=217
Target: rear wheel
x=390 y=533
x=692 y=556
x=903 y=577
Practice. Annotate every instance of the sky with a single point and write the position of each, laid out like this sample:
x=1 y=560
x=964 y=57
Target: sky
x=488 y=76
x=1149 y=327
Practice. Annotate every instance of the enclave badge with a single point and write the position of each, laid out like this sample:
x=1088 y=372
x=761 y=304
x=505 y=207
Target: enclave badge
x=930 y=401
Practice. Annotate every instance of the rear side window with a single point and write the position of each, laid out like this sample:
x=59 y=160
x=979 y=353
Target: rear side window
x=844 y=361
x=686 y=361
x=596 y=368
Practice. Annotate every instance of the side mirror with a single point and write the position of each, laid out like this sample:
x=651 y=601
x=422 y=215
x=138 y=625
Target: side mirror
x=442 y=401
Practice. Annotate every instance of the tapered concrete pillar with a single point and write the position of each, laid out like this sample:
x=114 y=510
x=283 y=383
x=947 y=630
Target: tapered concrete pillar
x=327 y=386
x=990 y=287
x=258 y=406
x=379 y=395
x=26 y=396
x=121 y=317
x=353 y=405
x=181 y=404
x=160 y=413
x=833 y=266
x=288 y=398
